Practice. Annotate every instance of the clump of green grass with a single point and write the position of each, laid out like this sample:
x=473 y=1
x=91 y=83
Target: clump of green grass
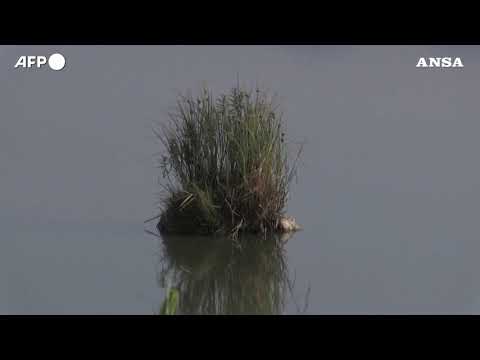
x=227 y=164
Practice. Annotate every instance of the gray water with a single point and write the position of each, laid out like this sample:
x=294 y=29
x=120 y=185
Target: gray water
x=388 y=190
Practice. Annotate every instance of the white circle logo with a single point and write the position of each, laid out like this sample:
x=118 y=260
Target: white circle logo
x=56 y=61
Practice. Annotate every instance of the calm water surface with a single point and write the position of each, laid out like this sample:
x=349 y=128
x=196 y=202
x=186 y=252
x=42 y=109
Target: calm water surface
x=388 y=190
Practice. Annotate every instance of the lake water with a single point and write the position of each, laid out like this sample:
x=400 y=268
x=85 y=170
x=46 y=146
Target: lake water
x=388 y=192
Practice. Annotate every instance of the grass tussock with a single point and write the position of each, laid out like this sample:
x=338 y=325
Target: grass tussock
x=226 y=162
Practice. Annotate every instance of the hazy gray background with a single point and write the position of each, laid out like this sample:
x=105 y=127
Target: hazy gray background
x=389 y=188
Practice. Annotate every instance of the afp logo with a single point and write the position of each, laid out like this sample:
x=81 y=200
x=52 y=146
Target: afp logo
x=55 y=62
x=439 y=62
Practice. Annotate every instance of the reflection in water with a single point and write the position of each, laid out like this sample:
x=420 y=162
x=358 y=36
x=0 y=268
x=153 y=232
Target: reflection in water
x=216 y=276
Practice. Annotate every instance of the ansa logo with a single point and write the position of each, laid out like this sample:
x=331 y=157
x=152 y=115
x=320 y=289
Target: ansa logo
x=442 y=62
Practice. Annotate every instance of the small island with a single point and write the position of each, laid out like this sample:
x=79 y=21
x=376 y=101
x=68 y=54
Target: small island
x=227 y=165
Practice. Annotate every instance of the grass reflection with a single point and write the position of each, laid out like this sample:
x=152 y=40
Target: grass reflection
x=213 y=276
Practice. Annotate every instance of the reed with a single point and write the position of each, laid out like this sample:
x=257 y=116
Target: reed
x=227 y=165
